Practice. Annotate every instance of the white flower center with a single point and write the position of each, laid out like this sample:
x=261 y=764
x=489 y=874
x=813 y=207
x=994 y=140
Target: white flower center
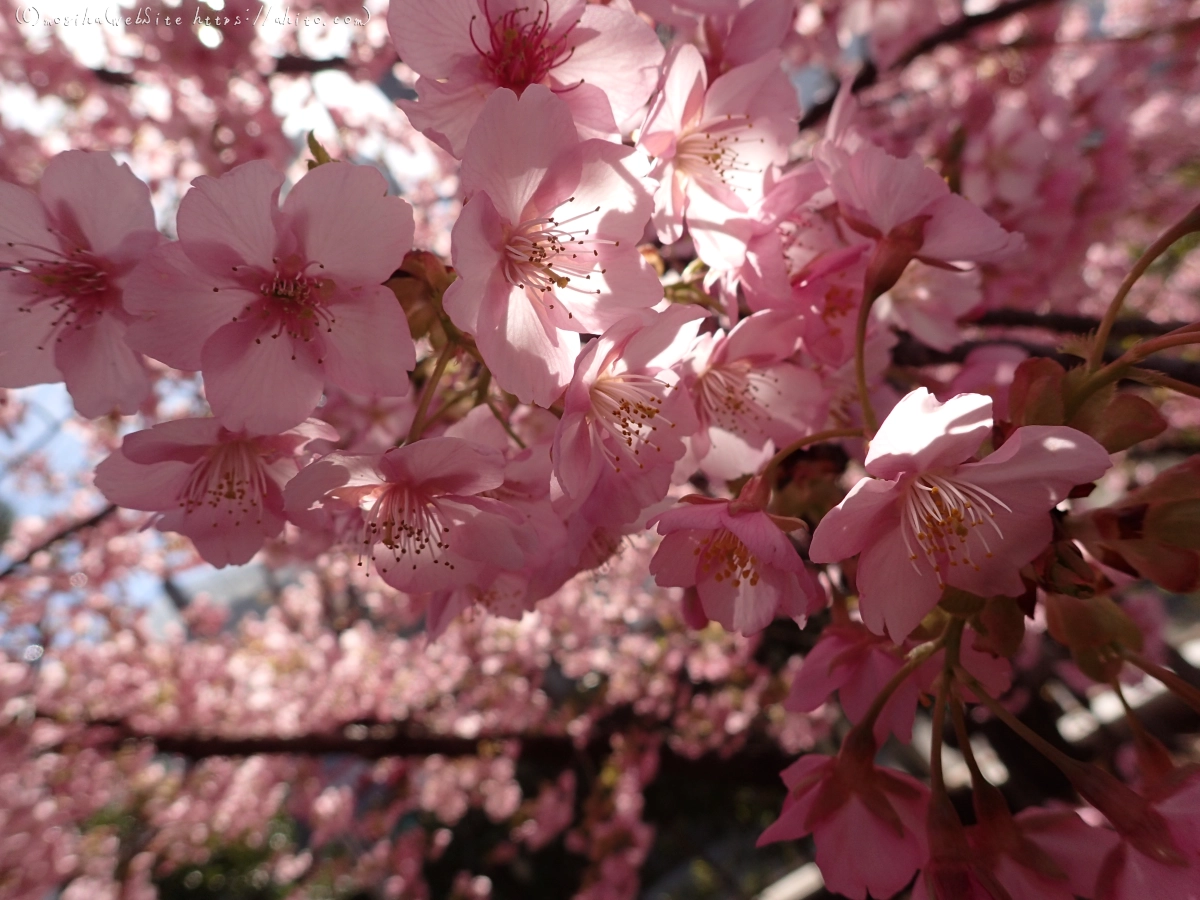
x=727 y=397
x=409 y=524
x=942 y=516
x=231 y=477
x=547 y=253
x=629 y=408
x=713 y=150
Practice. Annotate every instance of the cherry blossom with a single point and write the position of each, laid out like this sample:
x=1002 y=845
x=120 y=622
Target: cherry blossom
x=601 y=60
x=713 y=145
x=417 y=510
x=67 y=252
x=623 y=412
x=929 y=517
x=223 y=489
x=848 y=801
x=283 y=298
x=546 y=245
x=739 y=559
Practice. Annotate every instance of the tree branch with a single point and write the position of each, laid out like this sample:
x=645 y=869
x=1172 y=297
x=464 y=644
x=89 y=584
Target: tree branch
x=75 y=528
x=947 y=34
x=760 y=762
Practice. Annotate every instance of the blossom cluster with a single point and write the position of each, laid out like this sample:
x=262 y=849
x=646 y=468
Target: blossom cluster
x=657 y=303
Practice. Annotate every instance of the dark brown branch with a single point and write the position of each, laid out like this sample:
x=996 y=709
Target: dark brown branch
x=75 y=528
x=910 y=352
x=1069 y=324
x=757 y=763
x=948 y=34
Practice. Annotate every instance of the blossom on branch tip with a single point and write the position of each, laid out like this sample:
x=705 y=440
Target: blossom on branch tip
x=270 y=303
x=738 y=557
x=546 y=246
x=66 y=255
x=222 y=489
x=601 y=60
x=929 y=516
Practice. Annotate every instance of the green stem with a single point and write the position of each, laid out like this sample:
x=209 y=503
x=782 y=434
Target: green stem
x=915 y=658
x=1188 y=224
x=1177 y=686
x=1027 y=734
x=439 y=369
x=1120 y=367
x=870 y=423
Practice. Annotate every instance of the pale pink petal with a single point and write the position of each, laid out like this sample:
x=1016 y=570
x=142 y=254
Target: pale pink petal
x=101 y=371
x=1037 y=466
x=674 y=562
x=960 y=230
x=445 y=465
x=258 y=383
x=512 y=145
x=867 y=511
x=368 y=348
x=432 y=37
x=920 y=433
x=136 y=486
x=885 y=190
x=616 y=51
x=179 y=307
x=892 y=593
x=883 y=871
x=477 y=247
x=23 y=223
x=764 y=539
x=230 y=221
x=445 y=113
x=528 y=356
x=346 y=222
x=95 y=199
x=757 y=29
x=578 y=456
x=27 y=335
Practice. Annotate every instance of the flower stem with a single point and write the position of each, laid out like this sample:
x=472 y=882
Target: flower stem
x=1180 y=688
x=439 y=369
x=915 y=658
x=1188 y=224
x=1026 y=733
x=870 y=423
